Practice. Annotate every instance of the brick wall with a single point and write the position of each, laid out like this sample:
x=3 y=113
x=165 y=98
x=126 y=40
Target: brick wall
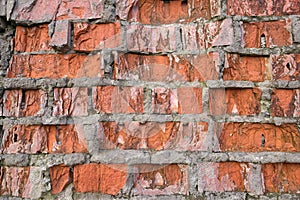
x=150 y=99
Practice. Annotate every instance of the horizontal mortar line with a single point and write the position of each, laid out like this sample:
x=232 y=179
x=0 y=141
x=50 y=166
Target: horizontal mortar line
x=196 y=195
x=185 y=118
x=260 y=19
x=30 y=83
x=91 y=119
x=132 y=157
x=291 y=49
x=255 y=119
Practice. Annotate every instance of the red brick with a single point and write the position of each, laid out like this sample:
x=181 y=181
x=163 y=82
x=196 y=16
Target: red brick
x=107 y=179
x=80 y=9
x=61 y=177
x=70 y=102
x=275 y=33
x=189 y=100
x=30 y=39
x=152 y=39
x=256 y=137
x=160 y=179
x=263 y=8
x=32 y=139
x=25 y=139
x=114 y=99
x=281 y=177
x=17 y=181
x=286 y=103
x=23 y=103
x=235 y=101
x=55 y=66
x=164 y=101
x=218 y=33
x=123 y=7
x=67 y=139
x=90 y=37
x=245 y=68
x=35 y=11
x=154 y=135
x=167 y=12
x=286 y=67
x=166 y=68
x=224 y=177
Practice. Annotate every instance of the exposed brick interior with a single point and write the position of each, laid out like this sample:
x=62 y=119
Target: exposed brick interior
x=149 y=99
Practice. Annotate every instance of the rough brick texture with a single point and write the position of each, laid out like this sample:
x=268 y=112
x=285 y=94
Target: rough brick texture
x=149 y=99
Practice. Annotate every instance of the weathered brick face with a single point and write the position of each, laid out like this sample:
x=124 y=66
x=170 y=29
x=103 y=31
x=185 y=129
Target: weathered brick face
x=149 y=99
x=107 y=179
x=247 y=137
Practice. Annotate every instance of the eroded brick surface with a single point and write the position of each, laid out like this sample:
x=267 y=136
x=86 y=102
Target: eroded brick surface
x=286 y=103
x=235 y=101
x=281 y=177
x=60 y=178
x=114 y=99
x=165 y=12
x=51 y=65
x=70 y=101
x=247 y=137
x=67 y=139
x=22 y=103
x=31 y=39
x=107 y=179
x=245 y=68
x=154 y=135
x=20 y=181
x=25 y=139
x=227 y=176
x=160 y=179
x=166 y=68
x=267 y=34
x=286 y=67
x=91 y=37
x=153 y=39
x=263 y=7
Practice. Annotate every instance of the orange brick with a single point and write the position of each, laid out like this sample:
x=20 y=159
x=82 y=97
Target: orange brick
x=166 y=68
x=263 y=8
x=80 y=9
x=164 y=101
x=107 y=179
x=29 y=39
x=245 y=68
x=114 y=99
x=286 y=67
x=154 y=135
x=166 y=12
x=160 y=179
x=23 y=103
x=286 y=103
x=61 y=177
x=268 y=34
x=70 y=102
x=67 y=139
x=234 y=101
x=55 y=66
x=90 y=37
x=25 y=139
x=189 y=100
x=281 y=177
x=17 y=182
x=248 y=137
x=224 y=177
